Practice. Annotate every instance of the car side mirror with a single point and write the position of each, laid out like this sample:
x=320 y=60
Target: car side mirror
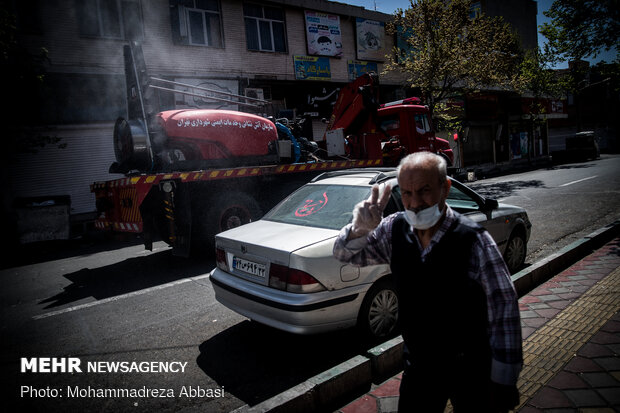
x=491 y=204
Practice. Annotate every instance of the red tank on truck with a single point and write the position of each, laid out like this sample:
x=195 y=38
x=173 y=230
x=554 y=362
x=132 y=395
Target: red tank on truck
x=191 y=173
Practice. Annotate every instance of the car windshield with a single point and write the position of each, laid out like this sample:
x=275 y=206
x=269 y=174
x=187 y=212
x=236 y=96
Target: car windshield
x=322 y=206
x=458 y=199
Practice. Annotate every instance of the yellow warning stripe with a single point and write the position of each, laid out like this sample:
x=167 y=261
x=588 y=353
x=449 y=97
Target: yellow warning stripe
x=232 y=173
x=119 y=226
x=548 y=349
x=129 y=213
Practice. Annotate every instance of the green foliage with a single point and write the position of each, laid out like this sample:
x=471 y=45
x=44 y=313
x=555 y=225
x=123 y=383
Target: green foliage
x=445 y=118
x=582 y=28
x=449 y=53
x=537 y=77
x=609 y=72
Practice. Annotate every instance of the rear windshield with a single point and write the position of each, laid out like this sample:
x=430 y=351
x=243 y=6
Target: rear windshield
x=321 y=206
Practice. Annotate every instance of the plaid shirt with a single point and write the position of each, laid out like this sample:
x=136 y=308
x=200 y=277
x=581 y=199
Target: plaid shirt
x=486 y=266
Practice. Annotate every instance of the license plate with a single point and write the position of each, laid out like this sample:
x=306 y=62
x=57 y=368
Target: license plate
x=250 y=267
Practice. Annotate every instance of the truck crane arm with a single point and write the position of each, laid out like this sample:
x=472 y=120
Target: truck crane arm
x=356 y=106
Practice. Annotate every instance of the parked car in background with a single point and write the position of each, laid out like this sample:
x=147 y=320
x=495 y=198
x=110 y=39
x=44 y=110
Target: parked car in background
x=583 y=145
x=280 y=270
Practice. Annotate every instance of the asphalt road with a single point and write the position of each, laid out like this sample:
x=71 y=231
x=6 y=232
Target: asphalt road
x=108 y=302
x=564 y=202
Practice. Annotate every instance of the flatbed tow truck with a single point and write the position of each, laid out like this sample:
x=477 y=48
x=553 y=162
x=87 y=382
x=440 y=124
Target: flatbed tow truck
x=191 y=173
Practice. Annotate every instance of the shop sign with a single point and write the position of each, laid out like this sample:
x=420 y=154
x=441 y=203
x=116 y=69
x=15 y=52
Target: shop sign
x=359 y=67
x=370 y=35
x=323 y=34
x=312 y=68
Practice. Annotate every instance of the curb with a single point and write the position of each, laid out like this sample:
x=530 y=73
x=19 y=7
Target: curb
x=321 y=392
x=534 y=275
x=318 y=392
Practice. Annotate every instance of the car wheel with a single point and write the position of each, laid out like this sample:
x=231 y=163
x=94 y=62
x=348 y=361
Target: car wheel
x=515 y=252
x=378 y=316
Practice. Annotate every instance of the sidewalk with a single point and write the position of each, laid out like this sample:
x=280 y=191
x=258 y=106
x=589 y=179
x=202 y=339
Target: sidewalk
x=571 y=343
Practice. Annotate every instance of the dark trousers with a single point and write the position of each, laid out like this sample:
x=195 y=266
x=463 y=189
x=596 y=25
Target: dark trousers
x=426 y=389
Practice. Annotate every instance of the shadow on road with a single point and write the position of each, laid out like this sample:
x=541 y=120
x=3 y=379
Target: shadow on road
x=255 y=362
x=504 y=189
x=43 y=251
x=133 y=274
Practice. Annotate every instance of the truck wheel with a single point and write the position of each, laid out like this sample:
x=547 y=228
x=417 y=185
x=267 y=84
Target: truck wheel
x=378 y=317
x=229 y=211
x=232 y=211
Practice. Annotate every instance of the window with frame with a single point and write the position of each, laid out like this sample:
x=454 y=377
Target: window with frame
x=422 y=123
x=197 y=22
x=460 y=201
x=390 y=122
x=264 y=28
x=112 y=19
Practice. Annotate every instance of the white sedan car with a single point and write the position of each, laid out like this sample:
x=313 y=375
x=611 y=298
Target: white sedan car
x=280 y=271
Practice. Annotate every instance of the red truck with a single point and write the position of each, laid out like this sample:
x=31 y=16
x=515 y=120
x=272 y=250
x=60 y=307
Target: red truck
x=190 y=174
x=402 y=127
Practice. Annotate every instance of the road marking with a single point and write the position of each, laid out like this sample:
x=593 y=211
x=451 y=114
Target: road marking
x=119 y=297
x=579 y=180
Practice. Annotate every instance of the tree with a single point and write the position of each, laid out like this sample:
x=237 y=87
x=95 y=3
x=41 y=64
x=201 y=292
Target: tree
x=582 y=28
x=448 y=52
x=538 y=79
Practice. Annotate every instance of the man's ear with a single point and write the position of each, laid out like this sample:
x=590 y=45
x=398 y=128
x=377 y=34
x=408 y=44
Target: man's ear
x=446 y=187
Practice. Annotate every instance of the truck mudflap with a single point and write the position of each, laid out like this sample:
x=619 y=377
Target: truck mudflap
x=117 y=202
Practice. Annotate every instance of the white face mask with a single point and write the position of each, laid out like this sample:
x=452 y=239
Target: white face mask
x=425 y=218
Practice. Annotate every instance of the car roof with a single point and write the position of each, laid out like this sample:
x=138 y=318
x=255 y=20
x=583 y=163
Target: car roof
x=369 y=177
x=358 y=177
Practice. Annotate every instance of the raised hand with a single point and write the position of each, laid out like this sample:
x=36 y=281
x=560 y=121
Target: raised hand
x=368 y=213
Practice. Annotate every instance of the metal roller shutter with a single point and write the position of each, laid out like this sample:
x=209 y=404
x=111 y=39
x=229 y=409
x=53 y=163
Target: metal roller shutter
x=70 y=171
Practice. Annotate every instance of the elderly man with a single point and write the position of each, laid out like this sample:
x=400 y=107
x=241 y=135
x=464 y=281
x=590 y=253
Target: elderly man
x=458 y=307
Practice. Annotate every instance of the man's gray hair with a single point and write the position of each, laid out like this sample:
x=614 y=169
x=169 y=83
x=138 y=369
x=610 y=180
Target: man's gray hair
x=418 y=159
